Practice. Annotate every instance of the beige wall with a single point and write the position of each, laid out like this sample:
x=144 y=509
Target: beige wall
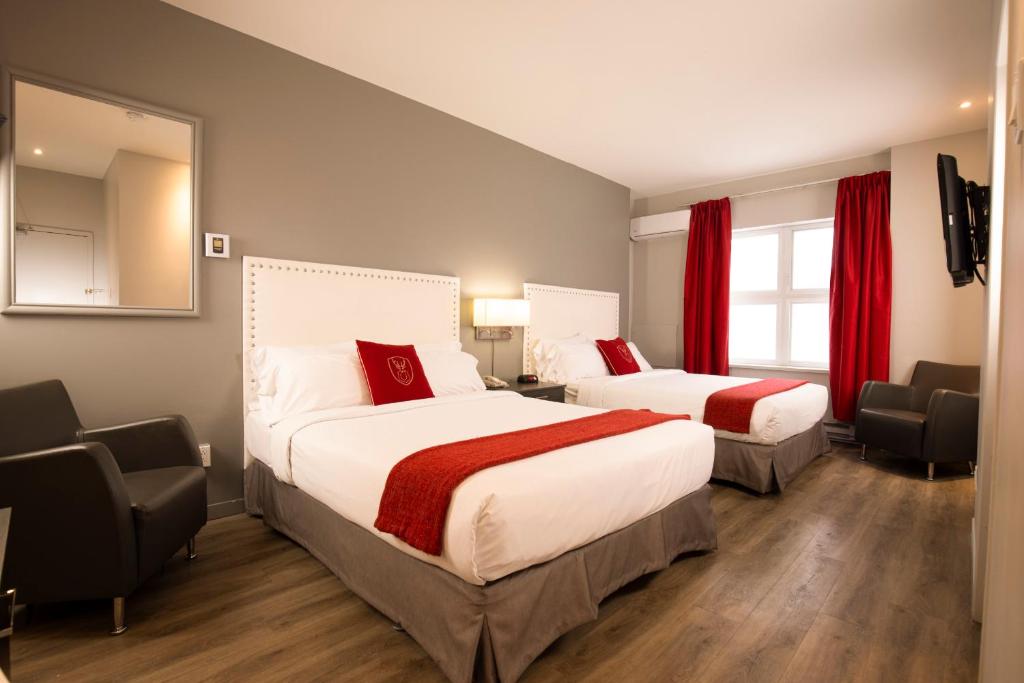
x=300 y=162
x=1002 y=657
x=931 y=319
x=990 y=375
x=154 y=228
x=657 y=303
x=657 y=276
x=65 y=200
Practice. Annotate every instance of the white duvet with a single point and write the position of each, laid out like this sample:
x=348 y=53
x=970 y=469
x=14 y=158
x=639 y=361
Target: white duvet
x=775 y=418
x=504 y=518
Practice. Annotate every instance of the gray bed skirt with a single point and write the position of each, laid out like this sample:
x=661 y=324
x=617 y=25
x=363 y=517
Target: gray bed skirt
x=766 y=468
x=491 y=632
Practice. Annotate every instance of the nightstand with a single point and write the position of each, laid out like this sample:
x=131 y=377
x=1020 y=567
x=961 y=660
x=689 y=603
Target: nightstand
x=547 y=391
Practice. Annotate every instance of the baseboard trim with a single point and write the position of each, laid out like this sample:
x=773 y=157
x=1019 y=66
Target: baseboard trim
x=225 y=508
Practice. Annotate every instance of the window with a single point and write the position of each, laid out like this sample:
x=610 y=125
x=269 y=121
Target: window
x=779 y=279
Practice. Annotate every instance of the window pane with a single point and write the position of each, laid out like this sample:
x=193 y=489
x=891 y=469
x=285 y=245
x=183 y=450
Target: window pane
x=755 y=263
x=809 y=342
x=812 y=258
x=752 y=332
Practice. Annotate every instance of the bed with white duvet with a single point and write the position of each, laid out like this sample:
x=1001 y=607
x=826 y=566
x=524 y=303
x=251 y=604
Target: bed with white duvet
x=530 y=547
x=775 y=418
x=785 y=431
x=576 y=362
x=504 y=518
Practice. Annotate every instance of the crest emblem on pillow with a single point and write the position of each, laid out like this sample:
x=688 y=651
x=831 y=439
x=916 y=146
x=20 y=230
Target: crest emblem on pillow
x=401 y=370
x=625 y=352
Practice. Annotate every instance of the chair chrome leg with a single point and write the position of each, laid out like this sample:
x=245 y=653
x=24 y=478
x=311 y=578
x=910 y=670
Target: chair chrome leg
x=931 y=471
x=190 y=549
x=863 y=451
x=119 y=626
x=973 y=466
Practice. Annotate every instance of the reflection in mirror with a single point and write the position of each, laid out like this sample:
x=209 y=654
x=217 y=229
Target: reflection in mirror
x=103 y=203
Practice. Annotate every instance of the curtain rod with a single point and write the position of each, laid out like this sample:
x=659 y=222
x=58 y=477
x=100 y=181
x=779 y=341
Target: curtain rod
x=775 y=189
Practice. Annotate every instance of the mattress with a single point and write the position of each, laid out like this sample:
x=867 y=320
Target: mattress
x=502 y=519
x=775 y=418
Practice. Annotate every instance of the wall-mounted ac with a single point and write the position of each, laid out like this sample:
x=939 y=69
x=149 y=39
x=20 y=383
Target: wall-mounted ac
x=646 y=227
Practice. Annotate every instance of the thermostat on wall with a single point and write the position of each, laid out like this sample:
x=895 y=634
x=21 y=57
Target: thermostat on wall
x=218 y=246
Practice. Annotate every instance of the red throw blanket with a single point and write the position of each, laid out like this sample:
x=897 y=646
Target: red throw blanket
x=419 y=489
x=730 y=409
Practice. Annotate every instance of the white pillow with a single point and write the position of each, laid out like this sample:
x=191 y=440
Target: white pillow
x=544 y=351
x=640 y=360
x=315 y=381
x=265 y=360
x=450 y=372
x=573 y=362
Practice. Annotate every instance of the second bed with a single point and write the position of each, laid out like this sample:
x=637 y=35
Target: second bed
x=786 y=431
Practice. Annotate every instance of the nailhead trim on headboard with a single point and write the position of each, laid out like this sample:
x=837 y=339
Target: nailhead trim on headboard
x=347 y=271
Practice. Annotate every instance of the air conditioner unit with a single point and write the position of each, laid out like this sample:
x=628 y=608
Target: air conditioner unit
x=646 y=227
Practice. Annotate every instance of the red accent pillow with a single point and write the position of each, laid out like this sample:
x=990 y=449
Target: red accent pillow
x=617 y=356
x=393 y=373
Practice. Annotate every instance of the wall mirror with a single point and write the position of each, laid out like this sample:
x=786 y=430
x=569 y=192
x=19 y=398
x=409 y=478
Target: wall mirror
x=100 y=197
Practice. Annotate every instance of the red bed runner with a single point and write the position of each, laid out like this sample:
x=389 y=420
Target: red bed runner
x=730 y=409
x=419 y=489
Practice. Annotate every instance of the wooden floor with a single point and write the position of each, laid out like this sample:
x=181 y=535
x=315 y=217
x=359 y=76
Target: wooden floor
x=859 y=572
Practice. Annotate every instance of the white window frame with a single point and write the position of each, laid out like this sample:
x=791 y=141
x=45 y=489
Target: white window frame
x=783 y=297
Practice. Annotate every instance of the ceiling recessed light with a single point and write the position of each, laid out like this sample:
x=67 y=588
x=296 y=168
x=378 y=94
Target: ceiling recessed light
x=38 y=151
x=966 y=104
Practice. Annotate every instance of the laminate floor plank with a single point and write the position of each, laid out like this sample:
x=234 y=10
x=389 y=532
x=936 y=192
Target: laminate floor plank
x=858 y=572
x=833 y=651
x=764 y=644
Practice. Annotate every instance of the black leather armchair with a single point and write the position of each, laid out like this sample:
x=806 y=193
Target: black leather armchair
x=94 y=512
x=934 y=419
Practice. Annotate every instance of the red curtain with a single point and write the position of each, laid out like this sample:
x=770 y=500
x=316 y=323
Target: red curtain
x=706 y=289
x=860 y=297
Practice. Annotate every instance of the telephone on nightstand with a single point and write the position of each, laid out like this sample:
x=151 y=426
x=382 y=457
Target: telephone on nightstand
x=494 y=383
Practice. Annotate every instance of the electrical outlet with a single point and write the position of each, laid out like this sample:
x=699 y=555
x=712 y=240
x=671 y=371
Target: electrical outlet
x=204 y=451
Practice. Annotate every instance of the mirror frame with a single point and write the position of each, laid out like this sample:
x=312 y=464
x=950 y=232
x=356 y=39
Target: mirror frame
x=8 y=77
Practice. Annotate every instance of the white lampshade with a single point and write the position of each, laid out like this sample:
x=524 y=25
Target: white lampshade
x=501 y=312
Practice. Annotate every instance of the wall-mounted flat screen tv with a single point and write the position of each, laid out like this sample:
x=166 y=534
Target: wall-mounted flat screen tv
x=965 y=207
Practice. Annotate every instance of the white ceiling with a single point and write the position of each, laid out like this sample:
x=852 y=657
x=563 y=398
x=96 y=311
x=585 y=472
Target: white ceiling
x=80 y=135
x=659 y=94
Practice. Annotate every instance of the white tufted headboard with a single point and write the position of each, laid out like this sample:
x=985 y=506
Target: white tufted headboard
x=294 y=303
x=557 y=312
